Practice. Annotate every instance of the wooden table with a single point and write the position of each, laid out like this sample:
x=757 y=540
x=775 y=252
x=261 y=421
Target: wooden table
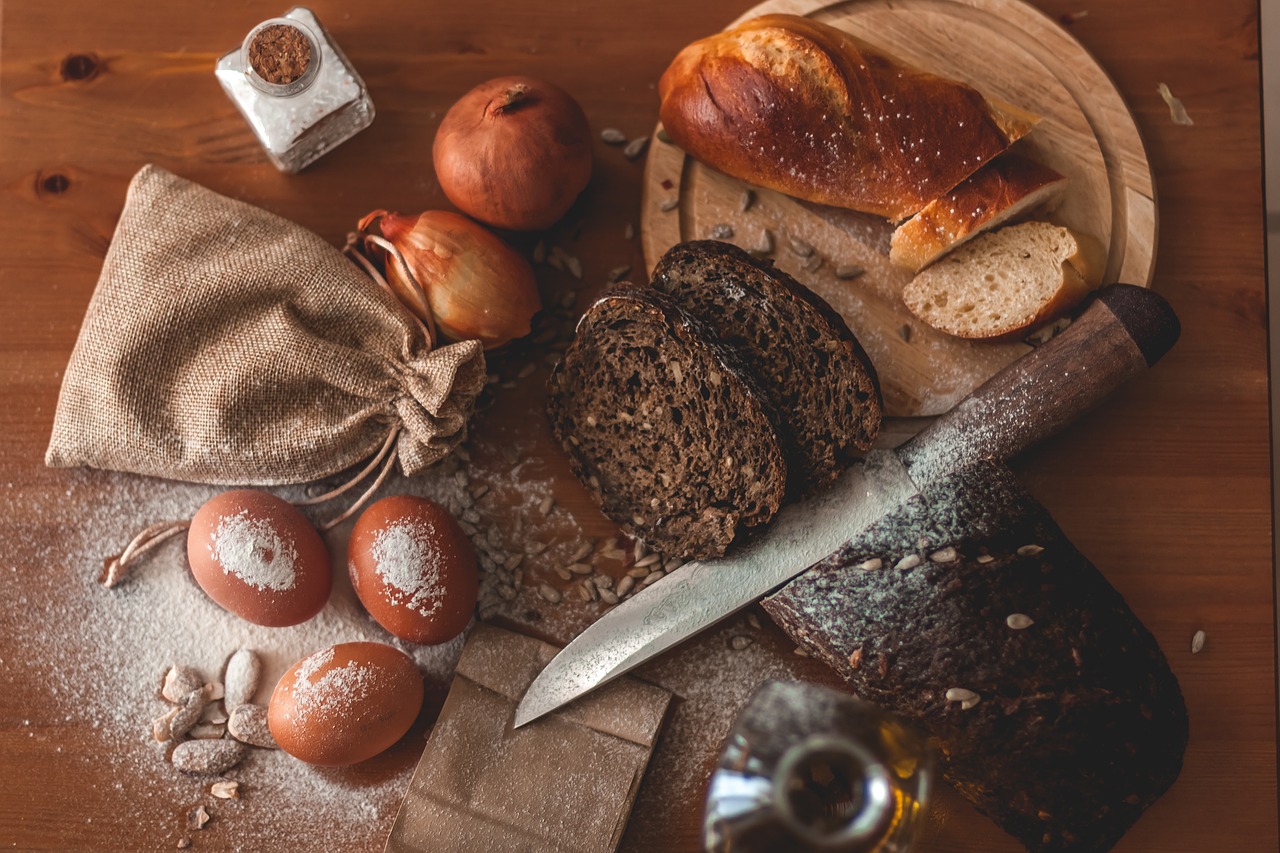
x=1166 y=487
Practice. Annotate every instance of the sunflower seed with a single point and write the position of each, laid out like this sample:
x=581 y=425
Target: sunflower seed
x=908 y=562
x=721 y=231
x=589 y=591
x=812 y=263
x=506 y=592
x=625 y=586
x=870 y=565
x=512 y=561
x=161 y=726
x=844 y=272
x=669 y=205
x=614 y=553
x=546 y=505
x=549 y=593
x=800 y=247
x=635 y=147
x=582 y=592
x=183 y=843
x=225 y=789
x=248 y=724
x=563 y=573
x=653 y=577
x=966 y=698
x=533 y=549
x=179 y=681
x=207 y=756
x=745 y=200
x=619 y=273
x=197 y=818
x=1029 y=550
x=763 y=246
x=648 y=560
x=188 y=714
x=609 y=597
x=1197 y=642
x=905 y=333
x=799 y=652
x=575 y=269
x=985 y=558
x=613 y=136
x=1018 y=621
x=945 y=555
x=603 y=581
x=740 y=642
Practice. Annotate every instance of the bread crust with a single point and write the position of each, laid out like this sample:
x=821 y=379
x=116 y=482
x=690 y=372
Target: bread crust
x=804 y=108
x=1007 y=186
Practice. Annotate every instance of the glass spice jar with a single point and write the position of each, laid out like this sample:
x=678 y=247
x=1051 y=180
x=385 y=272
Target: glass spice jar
x=809 y=769
x=296 y=88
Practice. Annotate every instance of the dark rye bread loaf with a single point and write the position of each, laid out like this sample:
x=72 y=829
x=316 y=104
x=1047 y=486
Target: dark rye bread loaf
x=813 y=369
x=1056 y=712
x=673 y=438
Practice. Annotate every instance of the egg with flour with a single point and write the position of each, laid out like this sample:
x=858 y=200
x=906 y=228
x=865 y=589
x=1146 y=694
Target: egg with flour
x=346 y=703
x=260 y=558
x=413 y=569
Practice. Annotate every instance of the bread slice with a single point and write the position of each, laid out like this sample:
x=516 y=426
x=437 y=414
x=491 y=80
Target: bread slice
x=1006 y=283
x=815 y=373
x=663 y=425
x=1000 y=191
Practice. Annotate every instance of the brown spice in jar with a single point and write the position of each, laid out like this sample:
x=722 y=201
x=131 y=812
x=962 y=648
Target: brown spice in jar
x=279 y=54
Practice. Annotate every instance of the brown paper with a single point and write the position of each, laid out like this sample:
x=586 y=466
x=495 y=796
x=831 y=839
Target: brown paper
x=224 y=344
x=561 y=784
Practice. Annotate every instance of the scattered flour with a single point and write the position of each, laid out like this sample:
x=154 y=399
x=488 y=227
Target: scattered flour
x=254 y=551
x=407 y=558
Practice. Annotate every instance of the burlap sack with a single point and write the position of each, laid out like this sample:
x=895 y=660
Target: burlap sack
x=224 y=344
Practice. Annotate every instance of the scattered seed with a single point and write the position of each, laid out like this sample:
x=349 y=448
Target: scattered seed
x=855 y=658
x=1197 y=642
x=764 y=246
x=653 y=577
x=908 y=562
x=669 y=204
x=671 y=565
x=1177 y=112
x=629 y=232
x=188 y=714
x=625 y=586
x=663 y=136
x=812 y=263
x=608 y=596
x=614 y=553
x=966 y=698
x=871 y=565
x=512 y=561
x=582 y=592
x=1029 y=550
x=179 y=681
x=248 y=724
x=799 y=652
x=209 y=757
x=638 y=572
x=549 y=593
x=590 y=592
x=563 y=573
x=721 y=231
x=635 y=147
x=184 y=843
x=575 y=269
x=533 y=549
x=740 y=642
x=985 y=558
x=619 y=273
x=745 y=200
x=603 y=581
x=225 y=789
x=161 y=726
x=197 y=818
x=1018 y=621
x=800 y=247
x=547 y=504
x=506 y=592
x=845 y=272
x=613 y=136
x=944 y=555
x=648 y=560
x=905 y=333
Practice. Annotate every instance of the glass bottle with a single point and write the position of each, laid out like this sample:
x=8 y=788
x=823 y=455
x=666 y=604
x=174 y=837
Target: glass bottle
x=296 y=118
x=806 y=768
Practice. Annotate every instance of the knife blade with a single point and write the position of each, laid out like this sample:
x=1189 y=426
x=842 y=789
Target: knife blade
x=1122 y=331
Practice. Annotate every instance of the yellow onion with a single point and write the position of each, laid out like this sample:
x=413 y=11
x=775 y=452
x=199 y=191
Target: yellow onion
x=454 y=274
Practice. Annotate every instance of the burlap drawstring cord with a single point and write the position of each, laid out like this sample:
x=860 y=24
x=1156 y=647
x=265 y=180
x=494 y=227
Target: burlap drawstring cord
x=116 y=569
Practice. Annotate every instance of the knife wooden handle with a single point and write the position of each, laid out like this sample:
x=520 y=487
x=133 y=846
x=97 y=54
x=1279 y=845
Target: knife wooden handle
x=1124 y=330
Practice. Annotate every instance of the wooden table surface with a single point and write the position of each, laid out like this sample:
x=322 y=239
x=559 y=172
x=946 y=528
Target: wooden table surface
x=1166 y=486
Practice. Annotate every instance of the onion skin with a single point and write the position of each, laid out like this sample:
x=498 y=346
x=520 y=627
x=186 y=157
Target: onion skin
x=475 y=285
x=514 y=152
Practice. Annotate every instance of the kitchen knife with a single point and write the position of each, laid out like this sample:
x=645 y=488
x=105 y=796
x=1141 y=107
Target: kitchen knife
x=1124 y=330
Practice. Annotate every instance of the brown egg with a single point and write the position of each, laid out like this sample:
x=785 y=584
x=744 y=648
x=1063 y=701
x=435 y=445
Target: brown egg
x=260 y=558
x=345 y=703
x=413 y=569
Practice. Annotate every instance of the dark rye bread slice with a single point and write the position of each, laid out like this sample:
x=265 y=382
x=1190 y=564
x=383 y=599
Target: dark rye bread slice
x=675 y=442
x=815 y=372
x=1056 y=711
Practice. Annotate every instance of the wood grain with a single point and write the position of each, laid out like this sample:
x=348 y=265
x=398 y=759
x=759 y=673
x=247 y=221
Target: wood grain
x=1165 y=486
x=1007 y=50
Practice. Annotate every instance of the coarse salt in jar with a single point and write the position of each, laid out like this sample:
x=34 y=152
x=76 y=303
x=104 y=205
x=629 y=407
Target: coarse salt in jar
x=296 y=89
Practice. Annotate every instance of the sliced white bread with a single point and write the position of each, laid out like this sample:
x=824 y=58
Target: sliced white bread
x=1007 y=187
x=1005 y=283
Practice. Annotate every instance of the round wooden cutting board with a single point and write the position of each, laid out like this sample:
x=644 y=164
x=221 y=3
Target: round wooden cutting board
x=1007 y=50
